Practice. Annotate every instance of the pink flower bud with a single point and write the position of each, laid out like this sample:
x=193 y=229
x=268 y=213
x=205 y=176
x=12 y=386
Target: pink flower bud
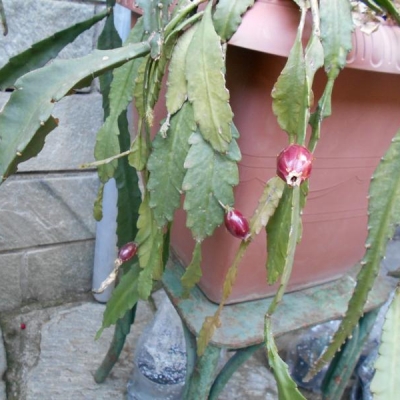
x=127 y=251
x=237 y=224
x=294 y=164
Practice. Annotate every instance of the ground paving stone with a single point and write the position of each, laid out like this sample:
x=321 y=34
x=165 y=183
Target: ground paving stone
x=3 y=367
x=55 y=357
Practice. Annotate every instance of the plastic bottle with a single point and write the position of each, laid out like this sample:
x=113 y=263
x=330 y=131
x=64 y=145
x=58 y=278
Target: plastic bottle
x=105 y=251
x=160 y=358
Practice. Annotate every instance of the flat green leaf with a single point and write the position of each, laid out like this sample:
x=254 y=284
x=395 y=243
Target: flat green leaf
x=385 y=383
x=150 y=241
x=31 y=104
x=314 y=58
x=193 y=271
x=289 y=94
x=207 y=330
x=234 y=153
x=267 y=204
x=206 y=85
x=228 y=16
x=107 y=145
x=213 y=322
x=155 y=13
x=384 y=216
x=98 y=204
x=139 y=153
x=336 y=29
x=287 y=388
x=23 y=151
x=123 y=298
x=304 y=189
x=292 y=238
x=279 y=230
x=129 y=194
x=122 y=86
x=45 y=50
x=139 y=89
x=157 y=75
x=119 y=97
x=166 y=165
x=176 y=84
x=324 y=110
x=209 y=179
x=108 y=39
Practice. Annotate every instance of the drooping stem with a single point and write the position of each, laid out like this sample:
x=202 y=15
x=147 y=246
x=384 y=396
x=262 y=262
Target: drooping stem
x=181 y=15
x=323 y=110
x=122 y=328
x=105 y=161
x=211 y=323
x=315 y=17
x=302 y=133
x=293 y=238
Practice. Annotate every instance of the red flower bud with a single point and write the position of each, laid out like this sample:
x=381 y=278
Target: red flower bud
x=237 y=224
x=127 y=251
x=294 y=164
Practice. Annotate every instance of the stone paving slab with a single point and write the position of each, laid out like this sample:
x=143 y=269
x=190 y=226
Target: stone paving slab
x=48 y=209
x=55 y=357
x=3 y=367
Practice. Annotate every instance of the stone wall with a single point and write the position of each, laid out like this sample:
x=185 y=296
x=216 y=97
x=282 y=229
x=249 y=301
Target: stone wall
x=46 y=225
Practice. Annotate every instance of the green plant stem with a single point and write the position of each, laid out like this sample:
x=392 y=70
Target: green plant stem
x=373 y=6
x=320 y=114
x=147 y=79
x=122 y=328
x=302 y=133
x=193 y=19
x=315 y=17
x=229 y=369
x=292 y=249
x=232 y=273
x=105 y=161
x=390 y=8
x=344 y=362
x=203 y=374
x=182 y=14
x=213 y=322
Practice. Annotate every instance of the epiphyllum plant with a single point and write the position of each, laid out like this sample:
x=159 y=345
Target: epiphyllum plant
x=198 y=130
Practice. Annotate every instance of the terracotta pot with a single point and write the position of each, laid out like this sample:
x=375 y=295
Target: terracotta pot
x=365 y=118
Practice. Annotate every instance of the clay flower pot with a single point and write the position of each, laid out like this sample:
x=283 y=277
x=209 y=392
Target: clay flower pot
x=365 y=117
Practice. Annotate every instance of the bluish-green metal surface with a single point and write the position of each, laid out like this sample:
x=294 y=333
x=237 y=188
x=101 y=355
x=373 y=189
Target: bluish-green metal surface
x=203 y=374
x=342 y=366
x=243 y=323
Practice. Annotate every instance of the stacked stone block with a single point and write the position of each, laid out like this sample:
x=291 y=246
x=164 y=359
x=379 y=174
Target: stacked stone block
x=47 y=230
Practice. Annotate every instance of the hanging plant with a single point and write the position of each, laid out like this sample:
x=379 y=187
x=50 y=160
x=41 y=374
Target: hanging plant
x=195 y=153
